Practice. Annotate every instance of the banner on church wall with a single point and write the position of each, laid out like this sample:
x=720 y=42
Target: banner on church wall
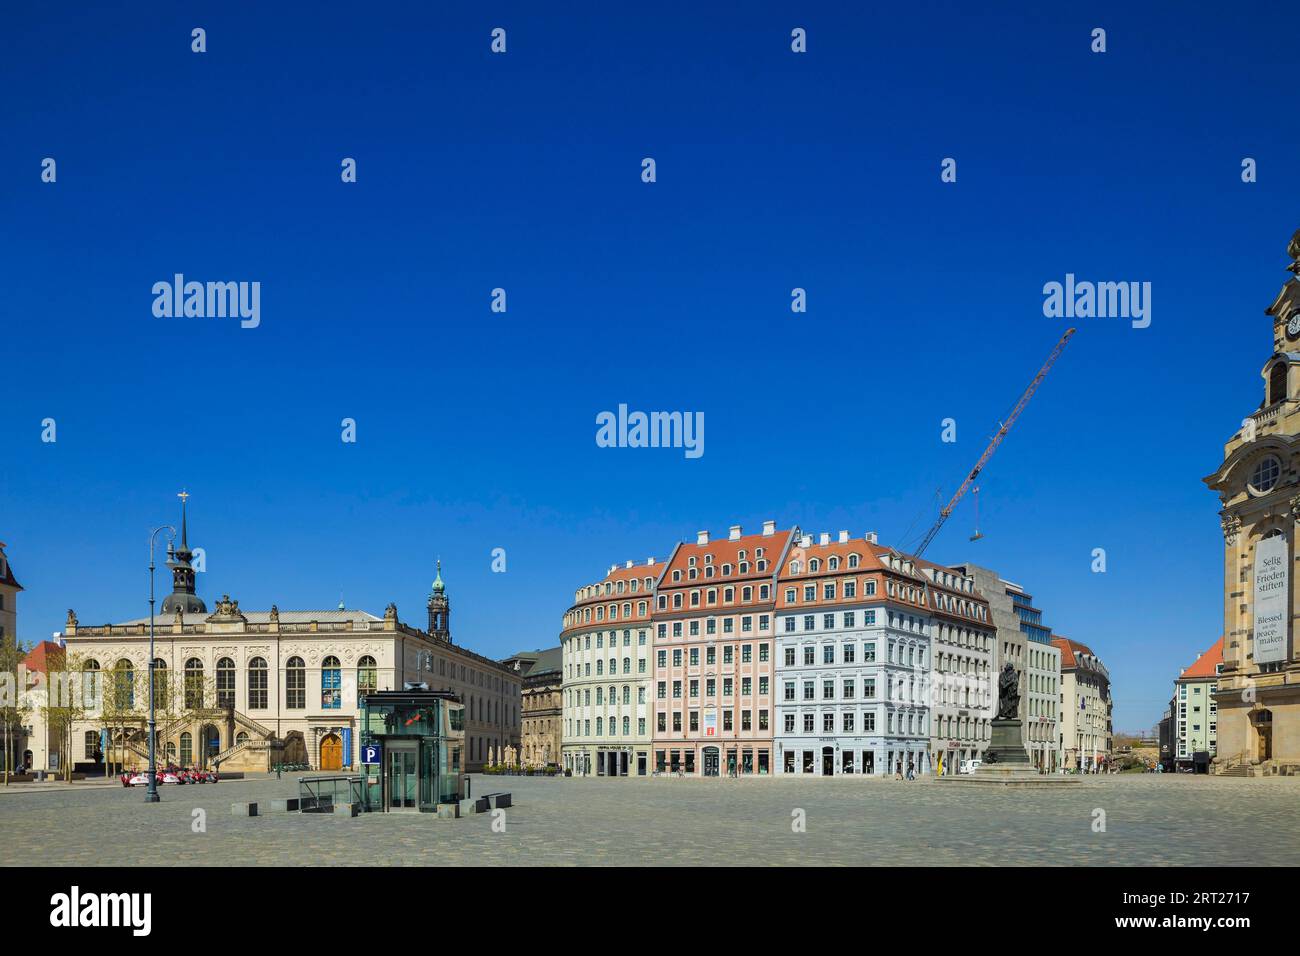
x=1272 y=575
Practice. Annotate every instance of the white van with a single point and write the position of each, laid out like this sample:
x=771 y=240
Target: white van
x=969 y=766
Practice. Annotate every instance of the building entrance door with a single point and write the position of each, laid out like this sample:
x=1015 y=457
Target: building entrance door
x=622 y=763
x=828 y=762
x=1264 y=727
x=402 y=778
x=331 y=752
x=640 y=765
x=710 y=761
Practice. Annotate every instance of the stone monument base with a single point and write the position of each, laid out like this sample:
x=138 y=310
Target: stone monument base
x=1006 y=764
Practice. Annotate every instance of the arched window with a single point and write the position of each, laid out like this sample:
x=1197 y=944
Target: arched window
x=331 y=684
x=1277 y=383
x=295 y=684
x=257 y=684
x=160 y=688
x=124 y=685
x=225 y=682
x=193 y=684
x=368 y=675
x=241 y=738
x=853 y=560
x=91 y=685
x=187 y=749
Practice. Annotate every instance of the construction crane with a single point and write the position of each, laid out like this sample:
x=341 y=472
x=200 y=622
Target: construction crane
x=1003 y=428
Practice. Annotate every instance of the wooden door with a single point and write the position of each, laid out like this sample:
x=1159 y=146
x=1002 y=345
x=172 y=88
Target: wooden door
x=331 y=753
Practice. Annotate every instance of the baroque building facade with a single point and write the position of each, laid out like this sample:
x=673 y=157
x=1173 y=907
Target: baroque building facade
x=1258 y=484
x=605 y=648
x=541 y=733
x=853 y=658
x=252 y=689
x=714 y=662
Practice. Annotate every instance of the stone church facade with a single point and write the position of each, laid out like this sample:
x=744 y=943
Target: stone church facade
x=1258 y=484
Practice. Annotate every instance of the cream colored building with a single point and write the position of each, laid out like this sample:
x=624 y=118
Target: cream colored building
x=1085 y=721
x=607 y=673
x=250 y=689
x=541 y=734
x=9 y=588
x=1258 y=484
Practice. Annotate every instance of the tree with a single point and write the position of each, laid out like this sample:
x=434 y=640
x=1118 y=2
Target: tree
x=13 y=702
x=71 y=692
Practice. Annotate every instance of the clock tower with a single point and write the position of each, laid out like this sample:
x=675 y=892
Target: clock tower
x=1258 y=484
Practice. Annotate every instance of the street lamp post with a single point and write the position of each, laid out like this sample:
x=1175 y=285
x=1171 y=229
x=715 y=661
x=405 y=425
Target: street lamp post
x=151 y=791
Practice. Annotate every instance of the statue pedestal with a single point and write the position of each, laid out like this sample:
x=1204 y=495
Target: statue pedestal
x=1005 y=757
x=1005 y=763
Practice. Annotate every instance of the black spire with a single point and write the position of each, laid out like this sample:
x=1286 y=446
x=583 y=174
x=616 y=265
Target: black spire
x=183 y=596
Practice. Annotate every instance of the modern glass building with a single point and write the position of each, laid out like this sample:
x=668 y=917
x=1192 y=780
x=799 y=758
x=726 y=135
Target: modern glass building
x=419 y=736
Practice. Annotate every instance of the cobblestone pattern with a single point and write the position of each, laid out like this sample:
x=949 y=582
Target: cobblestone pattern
x=1150 y=820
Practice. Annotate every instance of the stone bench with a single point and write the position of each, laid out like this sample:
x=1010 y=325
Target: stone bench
x=243 y=809
x=493 y=801
x=288 y=805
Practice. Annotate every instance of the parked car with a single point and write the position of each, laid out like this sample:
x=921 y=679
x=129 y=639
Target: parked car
x=969 y=766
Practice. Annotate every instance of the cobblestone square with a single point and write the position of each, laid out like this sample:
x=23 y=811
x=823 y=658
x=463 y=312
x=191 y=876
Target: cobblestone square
x=1150 y=820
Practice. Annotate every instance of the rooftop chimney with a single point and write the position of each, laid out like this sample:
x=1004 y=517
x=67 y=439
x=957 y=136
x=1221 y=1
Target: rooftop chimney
x=871 y=536
x=769 y=527
x=629 y=564
x=805 y=541
x=650 y=560
x=844 y=537
x=734 y=533
x=701 y=537
x=824 y=538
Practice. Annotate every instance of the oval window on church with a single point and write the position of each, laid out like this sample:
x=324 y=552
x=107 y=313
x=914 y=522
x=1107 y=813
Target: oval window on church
x=1264 y=477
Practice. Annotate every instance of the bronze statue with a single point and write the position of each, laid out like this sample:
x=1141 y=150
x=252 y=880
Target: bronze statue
x=1008 y=692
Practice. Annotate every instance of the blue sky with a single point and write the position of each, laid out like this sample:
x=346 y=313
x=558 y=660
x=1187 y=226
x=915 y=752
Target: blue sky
x=522 y=171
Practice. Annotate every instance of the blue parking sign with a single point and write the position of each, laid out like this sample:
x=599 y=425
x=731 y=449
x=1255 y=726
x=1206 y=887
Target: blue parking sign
x=370 y=754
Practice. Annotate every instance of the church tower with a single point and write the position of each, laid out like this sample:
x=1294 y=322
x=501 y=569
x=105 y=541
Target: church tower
x=183 y=596
x=439 y=609
x=1258 y=696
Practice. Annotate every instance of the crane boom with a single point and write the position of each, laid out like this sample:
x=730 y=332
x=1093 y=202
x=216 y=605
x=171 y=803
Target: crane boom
x=997 y=440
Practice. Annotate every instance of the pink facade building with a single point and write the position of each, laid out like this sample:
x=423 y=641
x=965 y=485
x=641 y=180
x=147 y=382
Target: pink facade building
x=714 y=658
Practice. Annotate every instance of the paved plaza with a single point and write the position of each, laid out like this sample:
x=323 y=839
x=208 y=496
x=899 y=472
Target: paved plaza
x=1150 y=820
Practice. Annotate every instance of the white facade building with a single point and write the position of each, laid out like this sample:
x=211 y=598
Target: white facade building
x=852 y=663
x=606 y=674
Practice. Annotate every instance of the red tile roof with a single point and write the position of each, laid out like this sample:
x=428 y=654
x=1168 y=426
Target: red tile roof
x=1068 y=649
x=1207 y=664
x=43 y=656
